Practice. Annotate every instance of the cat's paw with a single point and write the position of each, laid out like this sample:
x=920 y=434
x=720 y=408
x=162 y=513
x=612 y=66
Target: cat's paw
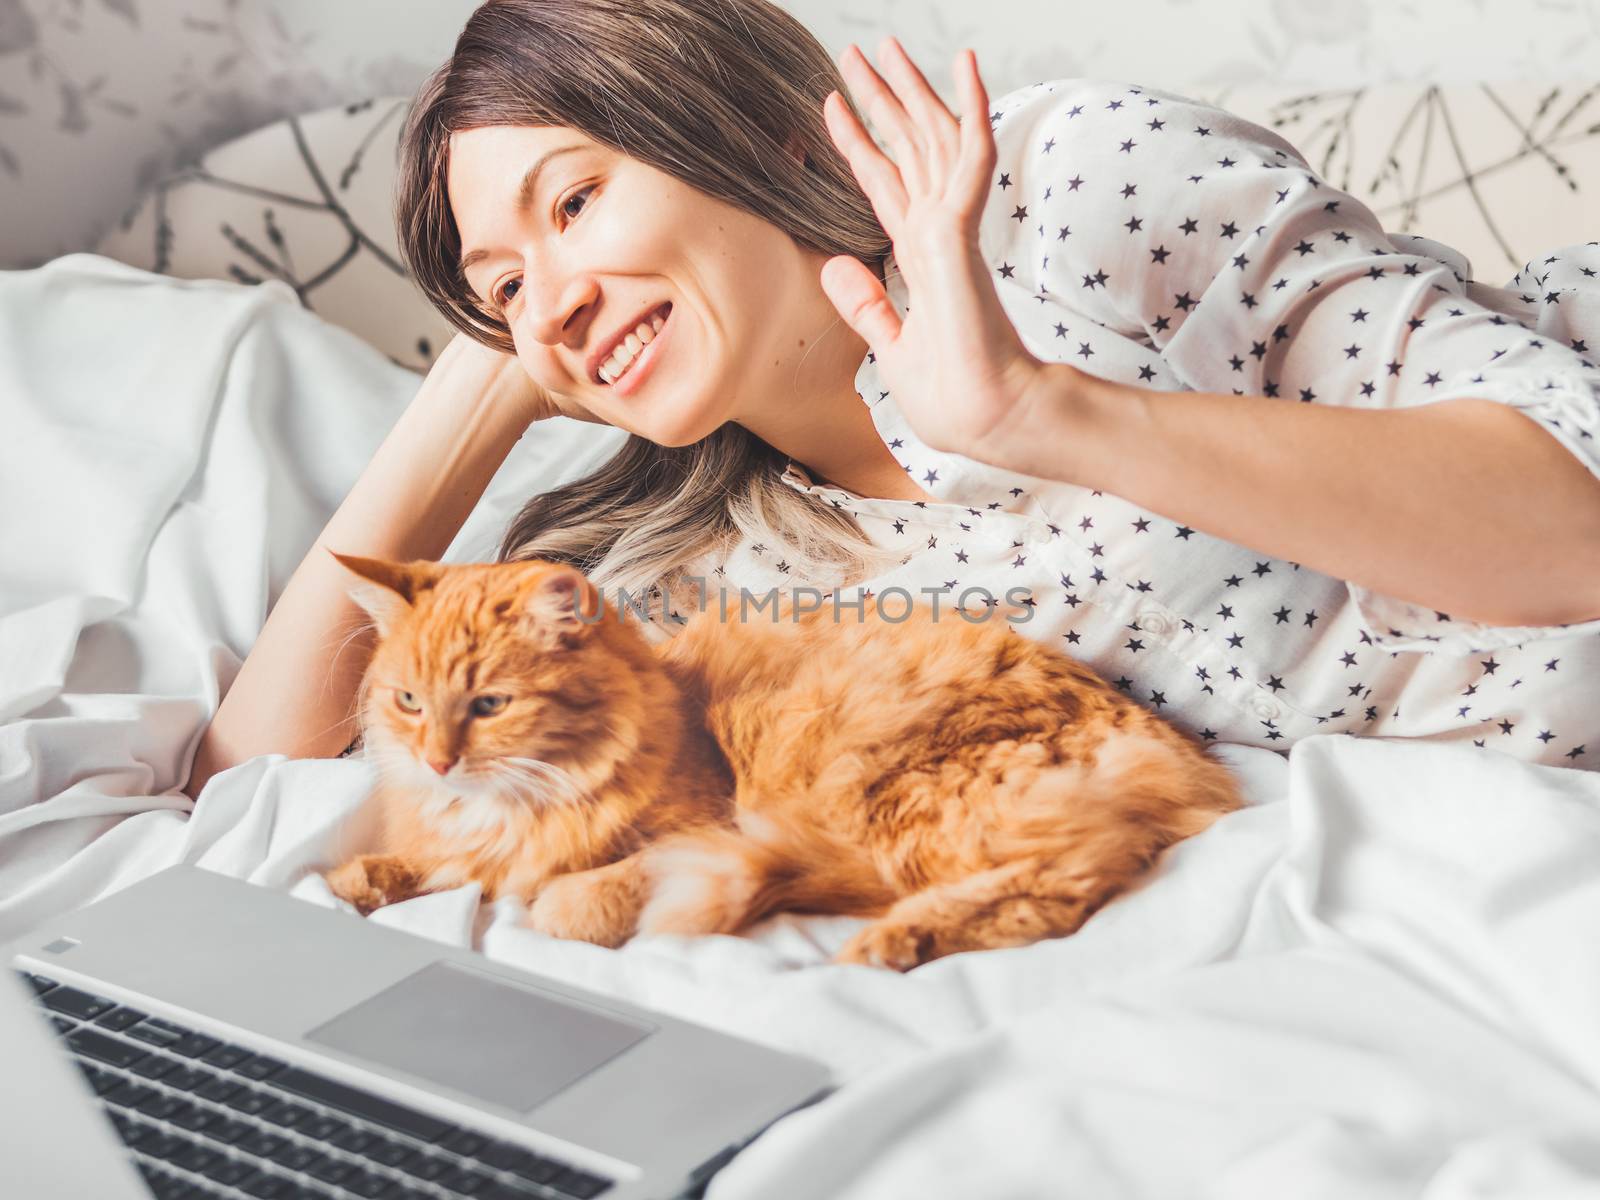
x=351 y=884
x=897 y=945
x=579 y=908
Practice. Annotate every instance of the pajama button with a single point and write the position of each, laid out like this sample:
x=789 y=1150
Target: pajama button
x=1154 y=622
x=1267 y=710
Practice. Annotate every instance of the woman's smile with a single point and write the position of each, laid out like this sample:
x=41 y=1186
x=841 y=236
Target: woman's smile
x=643 y=361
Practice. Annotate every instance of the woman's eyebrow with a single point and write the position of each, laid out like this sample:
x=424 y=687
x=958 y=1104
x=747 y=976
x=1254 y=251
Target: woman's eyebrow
x=525 y=194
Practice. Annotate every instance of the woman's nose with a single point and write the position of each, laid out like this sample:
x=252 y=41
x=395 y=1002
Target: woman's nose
x=554 y=311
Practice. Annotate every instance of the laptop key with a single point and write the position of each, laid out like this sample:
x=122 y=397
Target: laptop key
x=193 y=1045
x=195 y=1157
x=193 y=1116
x=428 y=1167
x=119 y=1019
x=166 y=1186
x=466 y=1181
x=161 y=1144
x=287 y=1114
x=226 y=1055
x=262 y=1144
x=464 y=1142
x=184 y=1189
x=259 y=1066
x=227 y=1129
x=63 y=1025
x=132 y=1132
x=367 y=1183
x=354 y=1138
x=160 y=1106
x=390 y=1154
x=185 y=1079
x=156 y=1032
x=578 y=1184
x=154 y=1066
x=84 y=1005
x=538 y=1170
x=363 y=1104
x=268 y=1187
x=104 y=1049
x=323 y=1127
x=130 y=1094
x=41 y=983
x=500 y=1189
x=228 y=1171
x=218 y=1087
x=101 y=1080
x=293 y=1157
x=328 y=1168
x=503 y=1156
x=250 y=1102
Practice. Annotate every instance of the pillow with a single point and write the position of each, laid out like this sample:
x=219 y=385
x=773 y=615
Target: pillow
x=1502 y=172
x=1499 y=172
x=304 y=200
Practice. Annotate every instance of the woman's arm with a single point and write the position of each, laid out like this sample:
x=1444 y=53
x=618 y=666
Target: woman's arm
x=295 y=692
x=1464 y=506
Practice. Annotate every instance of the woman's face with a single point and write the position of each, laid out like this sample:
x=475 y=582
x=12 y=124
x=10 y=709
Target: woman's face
x=604 y=241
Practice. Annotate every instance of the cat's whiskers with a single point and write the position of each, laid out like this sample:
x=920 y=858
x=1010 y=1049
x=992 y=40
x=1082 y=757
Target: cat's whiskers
x=546 y=782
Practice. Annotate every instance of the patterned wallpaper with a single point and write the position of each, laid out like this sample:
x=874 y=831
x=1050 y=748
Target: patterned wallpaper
x=101 y=98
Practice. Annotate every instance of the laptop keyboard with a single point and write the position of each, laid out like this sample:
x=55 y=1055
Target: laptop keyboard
x=206 y=1118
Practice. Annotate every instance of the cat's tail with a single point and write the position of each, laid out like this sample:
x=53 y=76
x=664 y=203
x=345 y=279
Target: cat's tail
x=720 y=879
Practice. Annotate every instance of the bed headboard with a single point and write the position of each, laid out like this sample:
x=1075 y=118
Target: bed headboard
x=1500 y=172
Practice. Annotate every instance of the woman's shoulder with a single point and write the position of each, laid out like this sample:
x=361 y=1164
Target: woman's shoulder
x=1089 y=98
x=1047 y=127
x=1097 y=182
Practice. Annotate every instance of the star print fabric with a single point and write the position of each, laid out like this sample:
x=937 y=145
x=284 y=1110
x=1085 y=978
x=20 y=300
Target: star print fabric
x=1156 y=240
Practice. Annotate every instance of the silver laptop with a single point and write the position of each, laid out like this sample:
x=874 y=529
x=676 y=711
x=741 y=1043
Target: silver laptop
x=243 y=1043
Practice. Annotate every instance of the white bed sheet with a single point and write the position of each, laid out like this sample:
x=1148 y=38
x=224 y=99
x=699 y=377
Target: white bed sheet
x=1379 y=979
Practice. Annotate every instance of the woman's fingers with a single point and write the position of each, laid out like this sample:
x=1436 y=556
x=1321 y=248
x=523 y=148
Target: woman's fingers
x=890 y=116
x=941 y=133
x=878 y=177
x=940 y=157
x=861 y=301
x=977 y=158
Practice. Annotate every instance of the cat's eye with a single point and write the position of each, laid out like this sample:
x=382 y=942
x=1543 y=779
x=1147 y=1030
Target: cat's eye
x=407 y=702
x=485 y=706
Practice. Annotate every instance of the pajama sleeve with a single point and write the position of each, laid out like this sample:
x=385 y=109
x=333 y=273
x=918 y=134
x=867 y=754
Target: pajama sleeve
x=1210 y=240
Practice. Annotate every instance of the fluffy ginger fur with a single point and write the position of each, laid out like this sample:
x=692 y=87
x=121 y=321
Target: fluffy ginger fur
x=963 y=785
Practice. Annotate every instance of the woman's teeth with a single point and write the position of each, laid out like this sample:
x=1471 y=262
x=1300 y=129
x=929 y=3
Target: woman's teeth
x=622 y=358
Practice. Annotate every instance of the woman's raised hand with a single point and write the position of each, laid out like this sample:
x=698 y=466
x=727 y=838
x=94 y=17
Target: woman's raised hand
x=958 y=369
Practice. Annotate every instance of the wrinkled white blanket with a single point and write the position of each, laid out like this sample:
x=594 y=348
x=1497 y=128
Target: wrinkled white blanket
x=1381 y=979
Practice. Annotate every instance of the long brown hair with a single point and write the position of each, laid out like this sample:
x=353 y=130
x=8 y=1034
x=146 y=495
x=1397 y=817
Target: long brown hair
x=712 y=92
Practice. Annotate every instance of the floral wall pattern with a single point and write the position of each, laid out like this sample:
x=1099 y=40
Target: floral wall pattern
x=100 y=99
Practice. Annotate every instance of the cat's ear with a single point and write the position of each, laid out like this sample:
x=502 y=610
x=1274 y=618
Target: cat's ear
x=564 y=606
x=392 y=587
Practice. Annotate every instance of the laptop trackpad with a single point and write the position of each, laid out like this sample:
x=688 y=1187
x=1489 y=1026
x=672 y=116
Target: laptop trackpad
x=500 y=1041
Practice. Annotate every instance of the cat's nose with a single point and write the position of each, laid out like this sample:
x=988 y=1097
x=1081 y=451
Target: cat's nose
x=442 y=765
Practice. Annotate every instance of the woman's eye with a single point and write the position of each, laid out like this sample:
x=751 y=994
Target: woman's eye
x=501 y=296
x=407 y=702
x=583 y=191
x=485 y=706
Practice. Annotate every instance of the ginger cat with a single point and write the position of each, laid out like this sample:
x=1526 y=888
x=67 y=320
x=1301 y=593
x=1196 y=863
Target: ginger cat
x=965 y=786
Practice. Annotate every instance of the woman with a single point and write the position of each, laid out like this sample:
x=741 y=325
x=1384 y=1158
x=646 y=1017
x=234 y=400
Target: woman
x=1115 y=355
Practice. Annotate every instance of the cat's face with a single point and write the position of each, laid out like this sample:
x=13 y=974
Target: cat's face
x=486 y=684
